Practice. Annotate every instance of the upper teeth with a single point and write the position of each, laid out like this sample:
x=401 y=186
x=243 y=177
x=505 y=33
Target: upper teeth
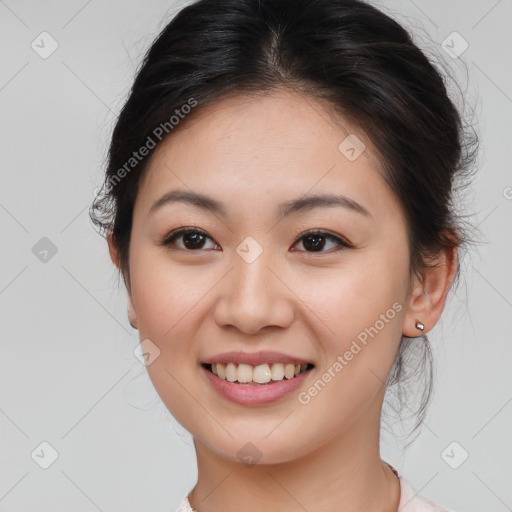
x=261 y=374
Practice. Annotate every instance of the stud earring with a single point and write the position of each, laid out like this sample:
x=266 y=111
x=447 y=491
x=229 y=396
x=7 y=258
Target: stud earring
x=419 y=325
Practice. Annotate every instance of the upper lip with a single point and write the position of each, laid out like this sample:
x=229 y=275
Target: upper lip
x=255 y=358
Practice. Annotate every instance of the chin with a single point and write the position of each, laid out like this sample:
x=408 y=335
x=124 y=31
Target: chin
x=254 y=451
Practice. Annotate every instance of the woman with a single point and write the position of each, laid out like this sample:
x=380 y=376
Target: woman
x=278 y=200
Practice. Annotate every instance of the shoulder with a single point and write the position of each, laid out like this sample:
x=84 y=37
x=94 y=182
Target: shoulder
x=185 y=506
x=411 y=501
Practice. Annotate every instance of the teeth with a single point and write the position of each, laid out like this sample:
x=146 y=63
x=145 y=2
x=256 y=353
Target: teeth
x=244 y=373
x=289 y=371
x=261 y=374
x=231 y=373
x=277 y=371
x=221 y=370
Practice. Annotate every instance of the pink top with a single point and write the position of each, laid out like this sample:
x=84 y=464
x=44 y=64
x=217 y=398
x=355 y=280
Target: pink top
x=409 y=500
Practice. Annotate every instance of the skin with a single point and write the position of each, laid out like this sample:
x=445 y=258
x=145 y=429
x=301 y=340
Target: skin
x=251 y=154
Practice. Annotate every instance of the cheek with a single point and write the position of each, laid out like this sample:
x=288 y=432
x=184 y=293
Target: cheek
x=352 y=300
x=168 y=299
x=166 y=293
x=362 y=306
x=362 y=309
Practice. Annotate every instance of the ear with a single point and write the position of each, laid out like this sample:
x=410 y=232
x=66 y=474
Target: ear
x=428 y=295
x=114 y=256
x=132 y=314
x=112 y=249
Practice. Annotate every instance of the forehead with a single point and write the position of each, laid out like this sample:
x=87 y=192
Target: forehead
x=263 y=148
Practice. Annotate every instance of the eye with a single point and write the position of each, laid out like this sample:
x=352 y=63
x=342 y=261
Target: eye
x=192 y=239
x=315 y=241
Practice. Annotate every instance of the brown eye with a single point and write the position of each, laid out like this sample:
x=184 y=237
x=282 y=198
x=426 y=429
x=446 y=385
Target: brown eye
x=191 y=239
x=316 y=241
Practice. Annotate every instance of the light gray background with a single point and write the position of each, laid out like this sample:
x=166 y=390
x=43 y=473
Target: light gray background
x=68 y=375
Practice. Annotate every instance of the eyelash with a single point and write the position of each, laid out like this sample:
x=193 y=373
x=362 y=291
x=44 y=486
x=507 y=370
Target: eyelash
x=342 y=244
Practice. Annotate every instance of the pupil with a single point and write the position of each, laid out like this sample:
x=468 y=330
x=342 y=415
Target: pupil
x=194 y=236
x=316 y=241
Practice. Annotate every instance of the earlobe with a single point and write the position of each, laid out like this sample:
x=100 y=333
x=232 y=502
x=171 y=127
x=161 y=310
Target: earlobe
x=428 y=297
x=114 y=256
x=415 y=320
x=112 y=249
x=132 y=314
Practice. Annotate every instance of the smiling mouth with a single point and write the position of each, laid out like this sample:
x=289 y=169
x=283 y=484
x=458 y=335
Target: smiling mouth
x=257 y=375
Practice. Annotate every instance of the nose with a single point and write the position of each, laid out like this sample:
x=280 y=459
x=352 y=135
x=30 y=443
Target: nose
x=253 y=297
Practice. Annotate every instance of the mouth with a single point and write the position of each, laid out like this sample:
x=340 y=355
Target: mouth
x=260 y=375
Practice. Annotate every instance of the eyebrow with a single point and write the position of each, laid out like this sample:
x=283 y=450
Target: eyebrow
x=301 y=204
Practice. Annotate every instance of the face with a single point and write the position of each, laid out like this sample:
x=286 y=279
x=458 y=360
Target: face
x=258 y=266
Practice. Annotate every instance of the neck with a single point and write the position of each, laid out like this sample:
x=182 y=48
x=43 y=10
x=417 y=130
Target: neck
x=344 y=474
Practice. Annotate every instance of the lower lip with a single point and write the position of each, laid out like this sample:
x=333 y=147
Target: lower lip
x=259 y=394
